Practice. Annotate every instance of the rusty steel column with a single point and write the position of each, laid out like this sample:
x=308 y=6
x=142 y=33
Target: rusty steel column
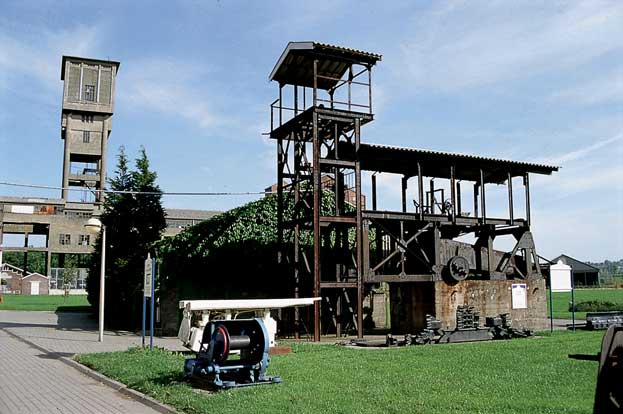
x=317 y=201
x=280 y=228
x=297 y=231
x=359 y=230
x=317 y=189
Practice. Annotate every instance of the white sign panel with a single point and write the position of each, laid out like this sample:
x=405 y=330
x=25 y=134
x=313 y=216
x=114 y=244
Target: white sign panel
x=560 y=277
x=519 y=296
x=147 y=281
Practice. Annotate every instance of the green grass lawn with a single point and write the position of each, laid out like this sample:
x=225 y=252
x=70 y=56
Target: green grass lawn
x=562 y=299
x=517 y=376
x=73 y=303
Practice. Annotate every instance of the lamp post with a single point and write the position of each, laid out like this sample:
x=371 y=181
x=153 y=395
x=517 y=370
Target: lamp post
x=94 y=226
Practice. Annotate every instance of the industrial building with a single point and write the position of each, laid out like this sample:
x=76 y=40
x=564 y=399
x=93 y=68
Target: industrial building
x=435 y=253
x=53 y=228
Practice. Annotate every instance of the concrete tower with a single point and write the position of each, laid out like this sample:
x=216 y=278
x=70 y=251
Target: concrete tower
x=86 y=123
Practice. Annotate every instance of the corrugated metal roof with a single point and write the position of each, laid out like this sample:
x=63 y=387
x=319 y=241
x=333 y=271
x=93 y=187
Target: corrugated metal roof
x=352 y=51
x=463 y=156
x=295 y=65
x=575 y=264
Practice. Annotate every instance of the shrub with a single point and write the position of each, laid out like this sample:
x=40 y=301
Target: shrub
x=596 y=306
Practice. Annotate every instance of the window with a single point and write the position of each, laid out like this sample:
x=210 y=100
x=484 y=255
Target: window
x=64 y=239
x=87 y=118
x=86 y=136
x=83 y=240
x=89 y=93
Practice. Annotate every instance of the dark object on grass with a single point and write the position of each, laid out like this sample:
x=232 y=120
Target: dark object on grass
x=216 y=363
x=467 y=327
x=501 y=327
x=609 y=390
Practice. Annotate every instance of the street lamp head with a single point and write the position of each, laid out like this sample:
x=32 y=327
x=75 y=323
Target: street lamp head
x=93 y=225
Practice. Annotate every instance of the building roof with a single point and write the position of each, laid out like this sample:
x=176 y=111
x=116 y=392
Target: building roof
x=576 y=265
x=87 y=60
x=31 y=200
x=296 y=64
x=176 y=213
x=400 y=160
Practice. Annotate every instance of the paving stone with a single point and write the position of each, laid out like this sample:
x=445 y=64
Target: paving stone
x=33 y=381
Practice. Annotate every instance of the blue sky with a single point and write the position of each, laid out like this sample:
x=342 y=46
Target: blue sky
x=532 y=81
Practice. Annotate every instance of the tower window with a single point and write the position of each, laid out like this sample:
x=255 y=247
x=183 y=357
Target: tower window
x=83 y=240
x=64 y=239
x=89 y=93
x=86 y=136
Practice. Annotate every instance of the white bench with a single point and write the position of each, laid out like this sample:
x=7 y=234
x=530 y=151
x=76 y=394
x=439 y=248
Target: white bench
x=205 y=310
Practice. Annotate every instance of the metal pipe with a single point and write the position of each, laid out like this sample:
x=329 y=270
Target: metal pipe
x=432 y=195
x=527 y=185
x=453 y=193
x=350 y=81
x=296 y=100
x=102 y=285
x=483 y=197
x=458 y=199
x=374 y=191
x=510 y=199
x=404 y=194
x=475 y=200
x=280 y=104
x=315 y=91
x=420 y=184
x=370 y=88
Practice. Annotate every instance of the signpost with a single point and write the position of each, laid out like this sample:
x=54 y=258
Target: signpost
x=519 y=296
x=561 y=280
x=148 y=292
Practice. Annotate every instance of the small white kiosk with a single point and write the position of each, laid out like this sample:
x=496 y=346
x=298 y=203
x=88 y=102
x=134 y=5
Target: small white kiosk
x=561 y=280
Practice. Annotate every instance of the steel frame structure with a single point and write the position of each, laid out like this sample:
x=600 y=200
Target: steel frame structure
x=355 y=248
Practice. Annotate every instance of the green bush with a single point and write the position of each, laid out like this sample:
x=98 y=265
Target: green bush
x=596 y=306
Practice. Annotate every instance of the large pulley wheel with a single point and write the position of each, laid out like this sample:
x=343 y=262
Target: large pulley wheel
x=609 y=390
x=221 y=341
x=458 y=268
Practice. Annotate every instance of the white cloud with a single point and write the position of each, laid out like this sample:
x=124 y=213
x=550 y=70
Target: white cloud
x=165 y=85
x=581 y=152
x=603 y=90
x=39 y=55
x=473 y=44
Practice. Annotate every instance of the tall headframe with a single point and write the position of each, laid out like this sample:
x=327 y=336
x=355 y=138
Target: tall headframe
x=420 y=254
x=86 y=123
x=331 y=99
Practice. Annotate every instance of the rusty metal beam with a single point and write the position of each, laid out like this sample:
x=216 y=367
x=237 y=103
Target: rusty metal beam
x=357 y=131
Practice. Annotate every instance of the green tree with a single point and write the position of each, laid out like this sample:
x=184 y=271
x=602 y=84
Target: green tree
x=133 y=223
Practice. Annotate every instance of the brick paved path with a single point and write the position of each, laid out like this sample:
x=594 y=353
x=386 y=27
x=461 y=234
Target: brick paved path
x=32 y=381
x=35 y=382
